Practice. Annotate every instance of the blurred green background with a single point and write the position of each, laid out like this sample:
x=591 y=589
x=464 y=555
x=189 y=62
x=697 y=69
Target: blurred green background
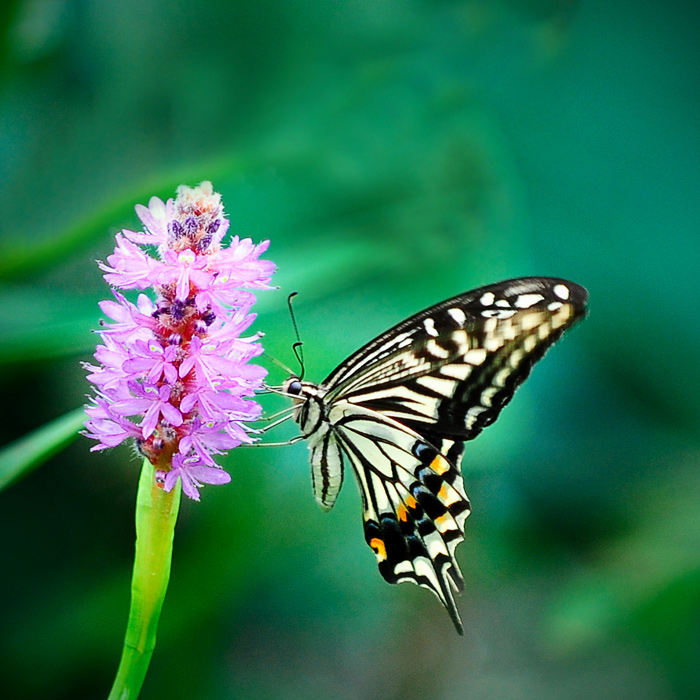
x=395 y=153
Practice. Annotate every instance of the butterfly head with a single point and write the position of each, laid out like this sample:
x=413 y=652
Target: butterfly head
x=294 y=388
x=309 y=411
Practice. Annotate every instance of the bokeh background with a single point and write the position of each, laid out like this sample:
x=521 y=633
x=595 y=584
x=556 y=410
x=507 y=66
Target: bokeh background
x=395 y=153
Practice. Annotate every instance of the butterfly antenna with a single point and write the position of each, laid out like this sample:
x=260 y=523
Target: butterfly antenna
x=298 y=347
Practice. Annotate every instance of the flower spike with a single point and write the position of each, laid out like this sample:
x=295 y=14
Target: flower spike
x=173 y=371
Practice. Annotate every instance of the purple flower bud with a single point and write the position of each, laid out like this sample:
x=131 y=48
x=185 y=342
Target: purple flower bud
x=177 y=310
x=175 y=229
x=209 y=317
x=204 y=242
x=190 y=225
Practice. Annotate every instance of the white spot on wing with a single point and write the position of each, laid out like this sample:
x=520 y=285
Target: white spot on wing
x=423 y=567
x=529 y=343
x=446 y=444
x=493 y=343
x=497 y=313
x=531 y=320
x=488 y=394
x=475 y=356
x=543 y=331
x=487 y=299
x=501 y=377
x=472 y=414
x=437 y=350
x=403 y=567
x=516 y=358
x=562 y=316
x=458 y=315
x=459 y=372
x=445 y=387
x=525 y=301
x=461 y=338
x=429 y=326
x=562 y=291
x=434 y=543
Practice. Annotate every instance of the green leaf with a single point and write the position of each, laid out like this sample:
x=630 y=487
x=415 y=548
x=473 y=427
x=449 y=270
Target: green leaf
x=19 y=458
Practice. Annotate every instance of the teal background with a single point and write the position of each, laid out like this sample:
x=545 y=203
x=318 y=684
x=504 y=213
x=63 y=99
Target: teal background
x=395 y=153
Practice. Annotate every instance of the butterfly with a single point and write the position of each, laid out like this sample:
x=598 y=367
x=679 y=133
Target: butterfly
x=401 y=408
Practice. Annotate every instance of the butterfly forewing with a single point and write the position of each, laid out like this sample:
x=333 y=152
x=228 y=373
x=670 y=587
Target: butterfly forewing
x=448 y=371
x=401 y=407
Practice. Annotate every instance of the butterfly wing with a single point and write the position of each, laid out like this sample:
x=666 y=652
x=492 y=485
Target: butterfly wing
x=447 y=372
x=414 y=505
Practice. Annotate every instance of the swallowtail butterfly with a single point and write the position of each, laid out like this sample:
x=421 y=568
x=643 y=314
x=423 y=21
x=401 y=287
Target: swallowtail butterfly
x=400 y=409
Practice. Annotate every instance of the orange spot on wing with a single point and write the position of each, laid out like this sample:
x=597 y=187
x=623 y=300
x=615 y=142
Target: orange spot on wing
x=402 y=513
x=411 y=502
x=443 y=519
x=379 y=548
x=440 y=465
x=448 y=496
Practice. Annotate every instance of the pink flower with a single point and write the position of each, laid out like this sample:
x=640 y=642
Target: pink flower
x=107 y=428
x=193 y=473
x=173 y=372
x=154 y=359
x=130 y=266
x=155 y=218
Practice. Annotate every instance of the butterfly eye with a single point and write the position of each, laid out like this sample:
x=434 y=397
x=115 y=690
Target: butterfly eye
x=294 y=387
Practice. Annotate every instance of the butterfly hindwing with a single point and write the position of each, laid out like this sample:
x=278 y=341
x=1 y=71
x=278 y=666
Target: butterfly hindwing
x=414 y=504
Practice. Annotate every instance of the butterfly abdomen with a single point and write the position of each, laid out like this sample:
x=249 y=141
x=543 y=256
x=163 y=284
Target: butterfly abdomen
x=311 y=414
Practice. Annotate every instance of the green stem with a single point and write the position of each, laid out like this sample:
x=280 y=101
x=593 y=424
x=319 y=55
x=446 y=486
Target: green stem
x=156 y=513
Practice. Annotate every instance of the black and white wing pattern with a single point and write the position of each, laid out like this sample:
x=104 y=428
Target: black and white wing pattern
x=401 y=408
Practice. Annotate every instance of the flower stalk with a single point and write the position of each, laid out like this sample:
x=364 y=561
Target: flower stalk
x=156 y=514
